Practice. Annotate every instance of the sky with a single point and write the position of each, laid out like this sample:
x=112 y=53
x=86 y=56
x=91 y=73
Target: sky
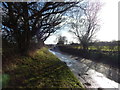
x=108 y=22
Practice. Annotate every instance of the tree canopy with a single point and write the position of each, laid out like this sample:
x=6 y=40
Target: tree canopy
x=23 y=21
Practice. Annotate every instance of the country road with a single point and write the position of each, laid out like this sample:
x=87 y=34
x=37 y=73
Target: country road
x=91 y=74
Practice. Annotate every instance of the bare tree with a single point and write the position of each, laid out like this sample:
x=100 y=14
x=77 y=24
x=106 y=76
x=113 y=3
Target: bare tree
x=48 y=26
x=85 y=22
x=61 y=40
x=24 y=20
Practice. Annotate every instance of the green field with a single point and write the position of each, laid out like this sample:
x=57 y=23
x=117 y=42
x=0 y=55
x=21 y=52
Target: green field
x=102 y=48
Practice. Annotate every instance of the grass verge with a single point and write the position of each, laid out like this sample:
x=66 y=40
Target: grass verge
x=41 y=70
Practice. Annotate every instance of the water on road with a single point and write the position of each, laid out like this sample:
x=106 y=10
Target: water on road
x=91 y=74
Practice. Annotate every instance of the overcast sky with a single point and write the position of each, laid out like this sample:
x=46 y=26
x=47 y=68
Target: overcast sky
x=109 y=24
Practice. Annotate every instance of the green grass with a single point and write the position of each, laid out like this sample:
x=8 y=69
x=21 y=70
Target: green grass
x=41 y=70
x=4 y=79
x=102 y=48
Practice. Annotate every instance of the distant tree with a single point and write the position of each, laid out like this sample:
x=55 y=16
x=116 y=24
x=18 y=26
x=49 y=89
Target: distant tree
x=61 y=40
x=85 y=22
x=23 y=21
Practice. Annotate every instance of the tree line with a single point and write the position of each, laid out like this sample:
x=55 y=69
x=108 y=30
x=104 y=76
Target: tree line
x=29 y=24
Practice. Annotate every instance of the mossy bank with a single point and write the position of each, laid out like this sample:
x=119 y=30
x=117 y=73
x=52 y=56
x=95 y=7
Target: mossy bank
x=40 y=70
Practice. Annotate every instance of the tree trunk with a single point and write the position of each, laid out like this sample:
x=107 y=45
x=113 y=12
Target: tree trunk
x=27 y=34
x=40 y=43
x=85 y=51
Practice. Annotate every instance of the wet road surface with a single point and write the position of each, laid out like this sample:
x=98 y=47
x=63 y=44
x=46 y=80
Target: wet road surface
x=91 y=74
